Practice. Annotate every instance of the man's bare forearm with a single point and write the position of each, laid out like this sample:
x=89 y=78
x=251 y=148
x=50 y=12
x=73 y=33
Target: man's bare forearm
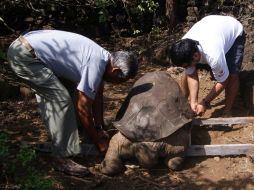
x=84 y=106
x=215 y=91
x=193 y=85
x=85 y=110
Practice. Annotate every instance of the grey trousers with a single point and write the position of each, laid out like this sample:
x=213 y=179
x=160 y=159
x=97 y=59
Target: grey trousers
x=55 y=103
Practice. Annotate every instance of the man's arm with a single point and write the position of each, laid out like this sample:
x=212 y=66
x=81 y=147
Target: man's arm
x=84 y=106
x=98 y=107
x=193 y=85
x=214 y=92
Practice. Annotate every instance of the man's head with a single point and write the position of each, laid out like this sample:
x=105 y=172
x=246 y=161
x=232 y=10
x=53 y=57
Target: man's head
x=184 y=52
x=122 y=66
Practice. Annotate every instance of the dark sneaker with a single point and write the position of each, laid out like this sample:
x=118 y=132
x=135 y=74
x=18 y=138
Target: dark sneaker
x=70 y=167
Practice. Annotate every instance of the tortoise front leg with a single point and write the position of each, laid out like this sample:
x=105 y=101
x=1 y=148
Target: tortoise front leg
x=119 y=148
x=112 y=162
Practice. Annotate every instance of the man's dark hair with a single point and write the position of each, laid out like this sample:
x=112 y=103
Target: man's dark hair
x=182 y=51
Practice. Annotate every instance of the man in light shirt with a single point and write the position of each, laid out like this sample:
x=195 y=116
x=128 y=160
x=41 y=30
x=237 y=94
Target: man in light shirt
x=45 y=58
x=219 y=42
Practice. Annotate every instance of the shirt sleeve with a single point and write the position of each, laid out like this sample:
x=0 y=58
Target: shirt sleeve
x=91 y=79
x=190 y=70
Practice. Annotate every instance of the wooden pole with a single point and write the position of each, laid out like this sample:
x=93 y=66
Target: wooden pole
x=219 y=150
x=222 y=121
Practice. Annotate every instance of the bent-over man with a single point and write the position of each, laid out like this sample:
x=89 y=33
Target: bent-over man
x=219 y=42
x=45 y=58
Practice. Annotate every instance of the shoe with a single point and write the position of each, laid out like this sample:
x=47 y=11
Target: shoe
x=70 y=167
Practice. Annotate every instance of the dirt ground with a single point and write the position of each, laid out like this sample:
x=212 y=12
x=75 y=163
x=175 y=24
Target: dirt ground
x=20 y=119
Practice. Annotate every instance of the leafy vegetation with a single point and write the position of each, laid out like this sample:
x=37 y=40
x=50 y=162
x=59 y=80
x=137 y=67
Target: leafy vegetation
x=22 y=161
x=2 y=55
x=98 y=16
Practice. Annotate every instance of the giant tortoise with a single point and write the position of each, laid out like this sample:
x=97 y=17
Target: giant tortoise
x=152 y=123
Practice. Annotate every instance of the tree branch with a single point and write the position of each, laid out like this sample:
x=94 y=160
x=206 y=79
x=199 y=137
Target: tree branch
x=6 y=25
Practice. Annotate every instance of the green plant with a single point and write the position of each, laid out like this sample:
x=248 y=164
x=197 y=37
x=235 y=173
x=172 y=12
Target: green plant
x=25 y=154
x=9 y=164
x=147 y=6
x=103 y=12
x=155 y=30
x=4 y=149
x=4 y=152
x=36 y=181
x=140 y=14
x=2 y=55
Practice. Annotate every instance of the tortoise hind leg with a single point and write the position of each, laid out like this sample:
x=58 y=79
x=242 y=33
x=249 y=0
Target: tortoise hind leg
x=175 y=156
x=175 y=148
x=175 y=163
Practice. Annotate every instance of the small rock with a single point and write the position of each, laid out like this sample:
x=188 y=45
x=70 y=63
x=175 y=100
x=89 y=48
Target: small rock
x=131 y=166
x=217 y=158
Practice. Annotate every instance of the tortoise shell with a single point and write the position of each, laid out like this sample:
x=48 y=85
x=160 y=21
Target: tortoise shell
x=154 y=108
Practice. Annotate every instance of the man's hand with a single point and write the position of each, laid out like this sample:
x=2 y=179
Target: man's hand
x=194 y=107
x=200 y=109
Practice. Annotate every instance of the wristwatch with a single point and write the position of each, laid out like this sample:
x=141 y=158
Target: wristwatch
x=98 y=127
x=206 y=104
